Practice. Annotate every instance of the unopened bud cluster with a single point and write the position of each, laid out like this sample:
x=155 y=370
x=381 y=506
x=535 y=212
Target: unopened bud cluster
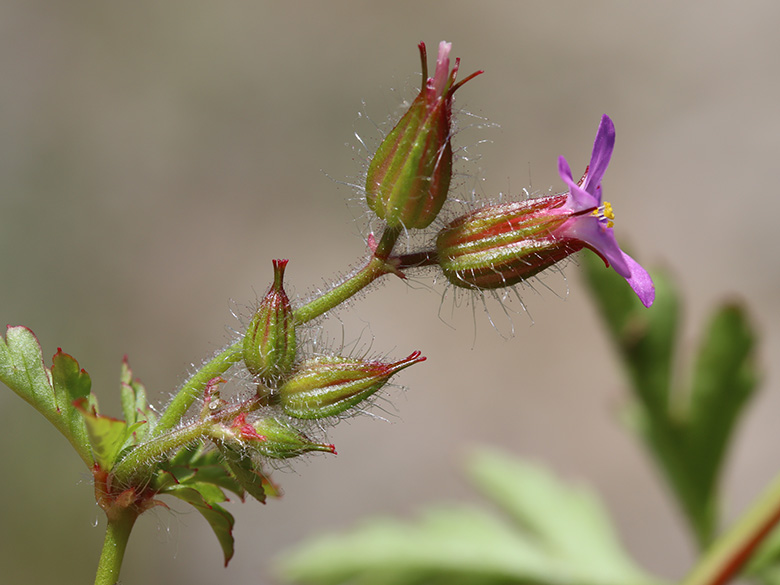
x=291 y=387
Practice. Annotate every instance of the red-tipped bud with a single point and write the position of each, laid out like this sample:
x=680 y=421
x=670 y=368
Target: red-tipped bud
x=268 y=437
x=328 y=386
x=501 y=245
x=269 y=343
x=409 y=176
x=282 y=441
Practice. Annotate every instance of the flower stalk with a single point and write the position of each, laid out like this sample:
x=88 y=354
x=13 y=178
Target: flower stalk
x=734 y=548
x=118 y=532
x=376 y=267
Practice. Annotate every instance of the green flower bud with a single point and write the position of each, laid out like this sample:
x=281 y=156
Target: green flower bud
x=282 y=441
x=269 y=342
x=268 y=437
x=328 y=386
x=409 y=176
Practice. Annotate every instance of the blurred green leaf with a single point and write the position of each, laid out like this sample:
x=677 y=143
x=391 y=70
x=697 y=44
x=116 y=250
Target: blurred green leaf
x=206 y=498
x=687 y=431
x=567 y=519
x=559 y=536
x=645 y=338
x=724 y=378
x=50 y=393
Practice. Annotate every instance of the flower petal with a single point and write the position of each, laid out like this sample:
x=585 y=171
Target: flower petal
x=640 y=281
x=442 y=74
x=590 y=231
x=578 y=200
x=600 y=157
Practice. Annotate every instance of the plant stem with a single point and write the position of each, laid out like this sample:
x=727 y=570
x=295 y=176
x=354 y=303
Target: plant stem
x=118 y=530
x=730 y=552
x=376 y=266
x=193 y=388
x=151 y=451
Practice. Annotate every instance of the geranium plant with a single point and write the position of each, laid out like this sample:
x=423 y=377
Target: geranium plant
x=204 y=444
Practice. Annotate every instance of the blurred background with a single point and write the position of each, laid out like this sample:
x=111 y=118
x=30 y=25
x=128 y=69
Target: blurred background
x=154 y=157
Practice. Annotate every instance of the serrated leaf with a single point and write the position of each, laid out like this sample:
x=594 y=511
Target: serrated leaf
x=246 y=472
x=134 y=404
x=724 y=378
x=69 y=380
x=22 y=370
x=567 y=519
x=106 y=434
x=193 y=464
x=460 y=545
x=220 y=520
x=447 y=541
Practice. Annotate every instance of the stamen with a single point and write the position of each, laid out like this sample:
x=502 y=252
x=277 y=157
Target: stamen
x=605 y=213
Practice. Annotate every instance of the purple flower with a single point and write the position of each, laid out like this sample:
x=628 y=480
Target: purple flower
x=590 y=220
x=501 y=245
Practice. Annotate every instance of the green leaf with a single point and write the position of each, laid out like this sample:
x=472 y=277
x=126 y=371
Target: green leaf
x=645 y=337
x=202 y=497
x=689 y=432
x=135 y=406
x=195 y=464
x=107 y=435
x=462 y=545
x=50 y=393
x=567 y=519
x=247 y=472
x=724 y=378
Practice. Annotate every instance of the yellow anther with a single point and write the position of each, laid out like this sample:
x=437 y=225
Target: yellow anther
x=604 y=211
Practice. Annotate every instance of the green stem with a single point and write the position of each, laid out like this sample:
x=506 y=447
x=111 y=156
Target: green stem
x=193 y=388
x=120 y=524
x=377 y=266
x=150 y=452
x=730 y=552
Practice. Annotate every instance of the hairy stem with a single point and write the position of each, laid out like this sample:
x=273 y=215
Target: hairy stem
x=146 y=454
x=730 y=552
x=120 y=524
x=375 y=267
x=193 y=388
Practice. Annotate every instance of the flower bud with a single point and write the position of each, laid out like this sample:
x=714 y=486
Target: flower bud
x=268 y=437
x=328 y=386
x=501 y=245
x=282 y=441
x=269 y=342
x=409 y=176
